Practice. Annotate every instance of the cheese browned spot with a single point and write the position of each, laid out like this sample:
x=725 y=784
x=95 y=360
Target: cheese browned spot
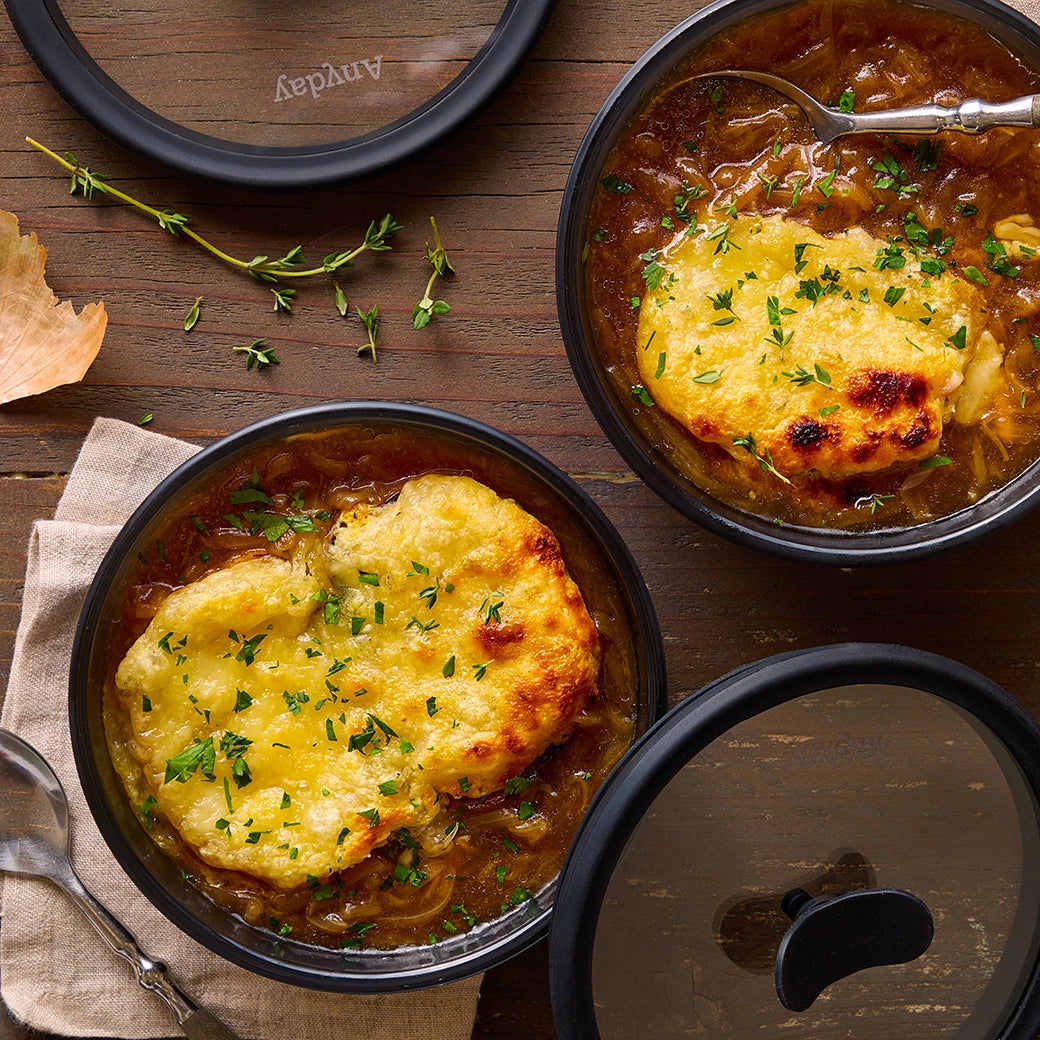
x=834 y=355
x=289 y=717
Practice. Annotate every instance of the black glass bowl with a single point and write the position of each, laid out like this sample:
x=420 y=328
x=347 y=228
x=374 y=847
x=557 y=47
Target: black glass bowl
x=613 y=405
x=272 y=99
x=597 y=558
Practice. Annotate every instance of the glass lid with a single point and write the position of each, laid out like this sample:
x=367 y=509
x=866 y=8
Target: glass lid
x=837 y=843
x=266 y=94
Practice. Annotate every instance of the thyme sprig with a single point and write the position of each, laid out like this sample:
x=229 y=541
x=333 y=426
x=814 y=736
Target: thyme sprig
x=427 y=307
x=763 y=458
x=370 y=319
x=257 y=355
x=88 y=182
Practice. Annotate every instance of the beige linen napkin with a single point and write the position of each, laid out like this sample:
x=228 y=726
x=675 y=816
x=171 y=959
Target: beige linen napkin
x=56 y=973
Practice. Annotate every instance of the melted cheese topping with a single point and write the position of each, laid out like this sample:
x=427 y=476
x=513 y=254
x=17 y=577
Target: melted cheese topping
x=838 y=355
x=291 y=716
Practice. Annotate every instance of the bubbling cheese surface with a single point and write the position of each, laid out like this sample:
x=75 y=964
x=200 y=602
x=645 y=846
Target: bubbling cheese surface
x=836 y=355
x=290 y=716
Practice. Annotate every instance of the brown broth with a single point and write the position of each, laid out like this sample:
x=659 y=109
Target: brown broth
x=498 y=858
x=749 y=148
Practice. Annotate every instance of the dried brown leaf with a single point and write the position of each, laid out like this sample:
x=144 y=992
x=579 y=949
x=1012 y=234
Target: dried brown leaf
x=44 y=343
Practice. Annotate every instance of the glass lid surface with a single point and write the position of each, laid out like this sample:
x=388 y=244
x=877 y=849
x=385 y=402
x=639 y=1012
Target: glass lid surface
x=327 y=92
x=859 y=860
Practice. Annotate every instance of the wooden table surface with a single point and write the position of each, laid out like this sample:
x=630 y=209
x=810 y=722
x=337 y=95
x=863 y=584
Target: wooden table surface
x=495 y=190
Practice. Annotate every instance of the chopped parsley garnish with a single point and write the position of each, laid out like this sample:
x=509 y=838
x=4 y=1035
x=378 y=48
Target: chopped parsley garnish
x=247 y=653
x=891 y=257
x=613 y=183
x=358 y=741
x=372 y=815
x=331 y=605
x=653 y=271
x=200 y=756
x=640 y=394
x=148 y=807
x=928 y=154
x=167 y=648
x=273 y=525
x=251 y=492
x=998 y=262
x=892 y=177
x=520 y=895
x=296 y=700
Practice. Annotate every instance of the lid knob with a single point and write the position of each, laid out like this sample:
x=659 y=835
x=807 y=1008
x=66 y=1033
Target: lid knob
x=836 y=936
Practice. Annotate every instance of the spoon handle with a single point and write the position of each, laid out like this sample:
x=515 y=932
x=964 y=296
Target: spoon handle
x=973 y=116
x=197 y=1023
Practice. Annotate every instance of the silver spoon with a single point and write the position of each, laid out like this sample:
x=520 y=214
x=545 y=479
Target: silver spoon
x=972 y=116
x=34 y=840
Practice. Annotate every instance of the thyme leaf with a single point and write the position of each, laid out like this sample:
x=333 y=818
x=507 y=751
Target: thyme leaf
x=192 y=317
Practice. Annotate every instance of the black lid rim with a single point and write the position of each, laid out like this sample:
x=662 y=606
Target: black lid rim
x=827 y=546
x=57 y=52
x=691 y=726
x=529 y=926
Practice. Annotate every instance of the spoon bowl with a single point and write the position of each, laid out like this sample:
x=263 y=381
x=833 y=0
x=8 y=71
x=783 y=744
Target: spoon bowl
x=34 y=815
x=973 y=116
x=34 y=841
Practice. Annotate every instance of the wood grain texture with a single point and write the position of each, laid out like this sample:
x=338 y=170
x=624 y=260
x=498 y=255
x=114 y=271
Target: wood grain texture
x=495 y=190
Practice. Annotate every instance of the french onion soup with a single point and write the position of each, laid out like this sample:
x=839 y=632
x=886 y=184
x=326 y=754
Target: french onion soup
x=841 y=335
x=363 y=697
